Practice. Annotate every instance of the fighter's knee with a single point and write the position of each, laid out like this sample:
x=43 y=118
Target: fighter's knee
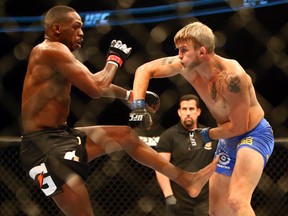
x=211 y=212
x=127 y=133
x=127 y=129
x=236 y=203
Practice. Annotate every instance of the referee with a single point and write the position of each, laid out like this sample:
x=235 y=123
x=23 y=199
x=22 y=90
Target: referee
x=179 y=146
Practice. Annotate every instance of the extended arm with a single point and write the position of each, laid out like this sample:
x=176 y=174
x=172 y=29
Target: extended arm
x=93 y=84
x=115 y=91
x=159 y=68
x=152 y=99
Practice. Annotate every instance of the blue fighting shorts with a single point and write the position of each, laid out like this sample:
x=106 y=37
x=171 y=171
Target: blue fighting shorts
x=261 y=139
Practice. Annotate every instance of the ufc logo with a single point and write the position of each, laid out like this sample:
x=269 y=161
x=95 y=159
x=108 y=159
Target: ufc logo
x=135 y=117
x=96 y=18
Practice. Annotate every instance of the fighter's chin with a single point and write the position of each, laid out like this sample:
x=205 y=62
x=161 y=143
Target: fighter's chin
x=77 y=46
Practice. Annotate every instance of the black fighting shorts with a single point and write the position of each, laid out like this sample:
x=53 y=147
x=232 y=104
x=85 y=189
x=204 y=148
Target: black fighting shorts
x=51 y=156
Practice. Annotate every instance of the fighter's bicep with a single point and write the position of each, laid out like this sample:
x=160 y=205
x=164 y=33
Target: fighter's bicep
x=170 y=60
x=165 y=67
x=60 y=58
x=73 y=70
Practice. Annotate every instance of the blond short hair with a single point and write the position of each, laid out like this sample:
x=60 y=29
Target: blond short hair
x=198 y=33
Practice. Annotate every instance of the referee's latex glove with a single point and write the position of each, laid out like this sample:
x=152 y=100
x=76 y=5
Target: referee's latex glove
x=171 y=205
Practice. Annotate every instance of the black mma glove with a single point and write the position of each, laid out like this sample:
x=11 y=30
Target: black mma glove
x=171 y=204
x=202 y=134
x=118 y=52
x=139 y=118
x=152 y=100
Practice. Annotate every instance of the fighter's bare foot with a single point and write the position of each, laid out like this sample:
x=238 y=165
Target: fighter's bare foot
x=197 y=180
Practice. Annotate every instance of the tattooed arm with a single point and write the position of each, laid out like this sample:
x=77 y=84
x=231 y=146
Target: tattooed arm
x=159 y=68
x=235 y=89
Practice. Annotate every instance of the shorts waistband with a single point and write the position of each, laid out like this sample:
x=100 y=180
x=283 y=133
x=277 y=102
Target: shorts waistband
x=47 y=130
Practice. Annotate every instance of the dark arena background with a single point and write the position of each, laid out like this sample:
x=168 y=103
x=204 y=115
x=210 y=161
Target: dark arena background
x=254 y=32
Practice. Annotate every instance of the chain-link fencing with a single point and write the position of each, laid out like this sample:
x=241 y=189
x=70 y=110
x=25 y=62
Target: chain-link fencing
x=119 y=186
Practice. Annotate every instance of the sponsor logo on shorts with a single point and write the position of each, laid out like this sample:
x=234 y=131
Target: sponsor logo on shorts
x=46 y=183
x=71 y=156
x=79 y=140
x=224 y=160
x=246 y=141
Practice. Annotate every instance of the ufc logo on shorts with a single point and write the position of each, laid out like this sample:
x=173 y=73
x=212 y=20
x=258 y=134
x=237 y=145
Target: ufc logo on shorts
x=136 y=117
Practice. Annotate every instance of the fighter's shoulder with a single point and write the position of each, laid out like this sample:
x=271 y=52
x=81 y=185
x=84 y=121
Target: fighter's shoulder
x=54 y=54
x=51 y=48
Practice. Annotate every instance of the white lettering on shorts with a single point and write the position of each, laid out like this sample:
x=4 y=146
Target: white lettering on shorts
x=50 y=187
x=71 y=156
x=79 y=140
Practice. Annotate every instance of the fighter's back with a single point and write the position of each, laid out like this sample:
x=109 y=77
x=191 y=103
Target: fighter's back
x=45 y=97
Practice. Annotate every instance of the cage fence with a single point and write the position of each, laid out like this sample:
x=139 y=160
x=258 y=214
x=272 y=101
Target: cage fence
x=119 y=186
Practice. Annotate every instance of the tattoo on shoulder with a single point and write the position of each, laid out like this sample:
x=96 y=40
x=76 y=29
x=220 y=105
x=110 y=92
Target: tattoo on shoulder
x=168 y=60
x=232 y=81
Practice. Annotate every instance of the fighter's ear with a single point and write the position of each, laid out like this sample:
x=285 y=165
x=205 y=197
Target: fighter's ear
x=203 y=50
x=56 y=28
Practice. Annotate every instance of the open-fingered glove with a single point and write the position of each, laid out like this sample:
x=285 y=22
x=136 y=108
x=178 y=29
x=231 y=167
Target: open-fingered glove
x=118 y=52
x=152 y=100
x=139 y=118
x=202 y=134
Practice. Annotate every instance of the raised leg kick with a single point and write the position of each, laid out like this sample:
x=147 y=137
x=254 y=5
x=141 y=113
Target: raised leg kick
x=107 y=139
